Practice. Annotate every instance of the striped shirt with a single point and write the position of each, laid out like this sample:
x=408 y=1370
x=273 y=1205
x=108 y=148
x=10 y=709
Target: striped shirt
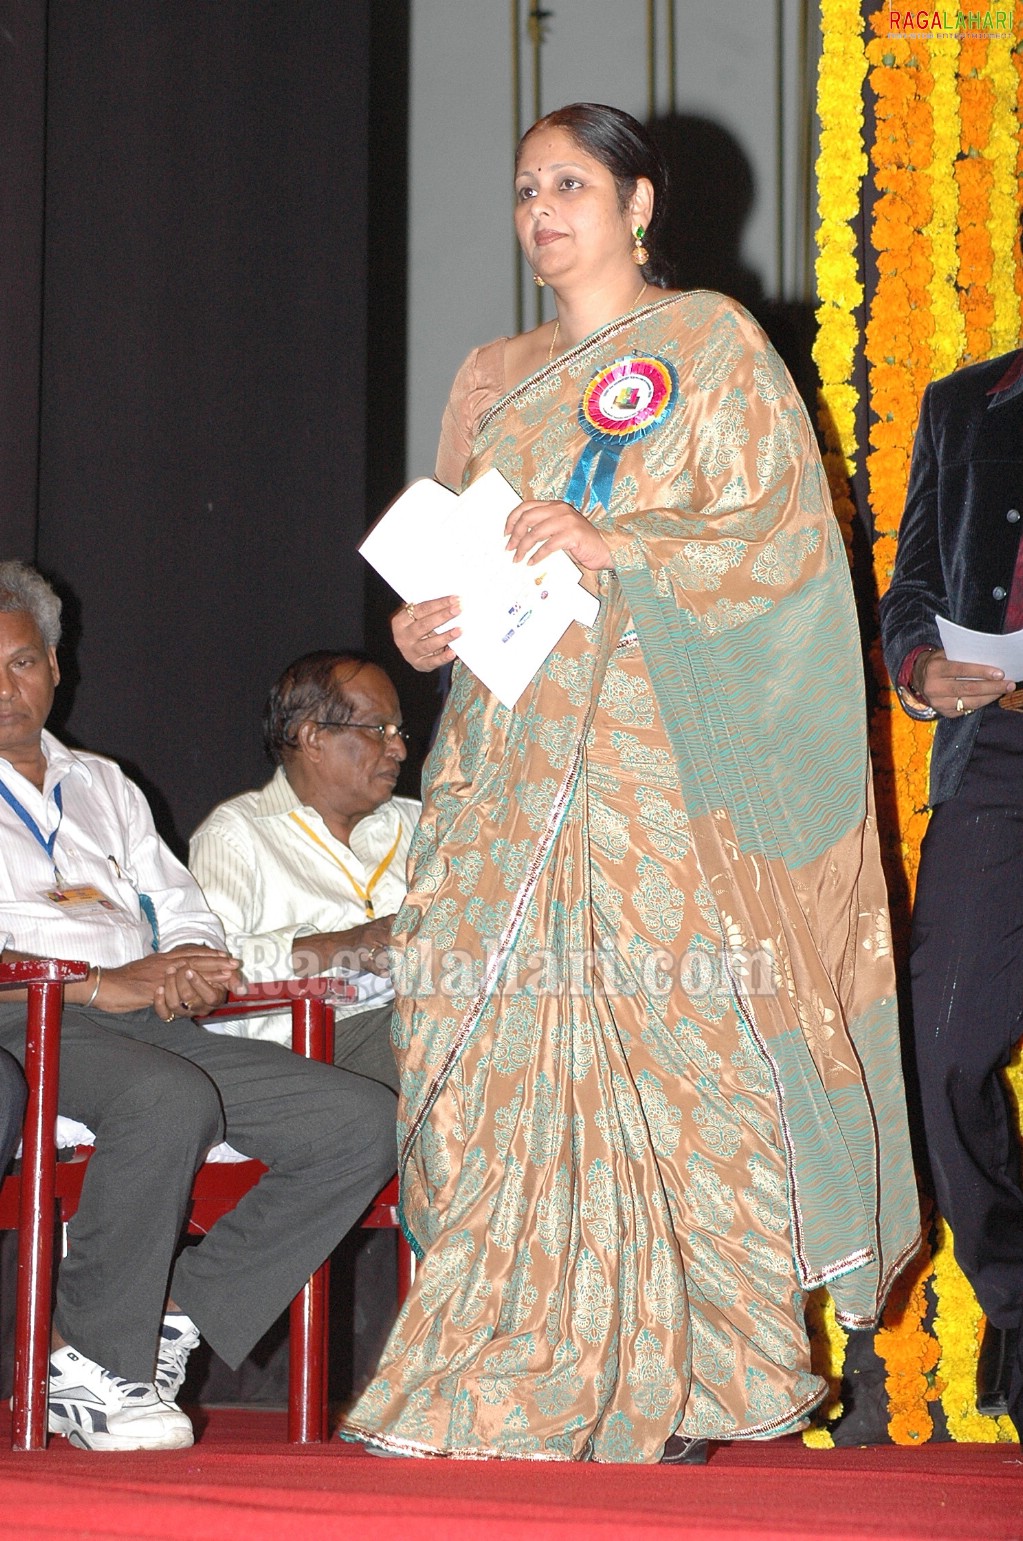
x=271 y=880
x=105 y=840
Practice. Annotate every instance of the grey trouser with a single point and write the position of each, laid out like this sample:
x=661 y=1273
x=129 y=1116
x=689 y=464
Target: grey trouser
x=362 y=1043
x=12 y=1108
x=158 y=1095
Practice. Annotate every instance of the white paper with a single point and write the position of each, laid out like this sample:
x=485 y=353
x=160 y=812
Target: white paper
x=431 y=542
x=999 y=650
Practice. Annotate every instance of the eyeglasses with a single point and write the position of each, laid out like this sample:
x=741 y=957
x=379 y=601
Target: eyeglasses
x=385 y=731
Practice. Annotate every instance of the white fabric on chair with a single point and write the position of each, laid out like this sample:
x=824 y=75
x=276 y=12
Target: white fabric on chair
x=70 y=1133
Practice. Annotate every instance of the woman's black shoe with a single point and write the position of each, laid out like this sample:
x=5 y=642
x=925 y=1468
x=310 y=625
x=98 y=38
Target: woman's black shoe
x=684 y=1452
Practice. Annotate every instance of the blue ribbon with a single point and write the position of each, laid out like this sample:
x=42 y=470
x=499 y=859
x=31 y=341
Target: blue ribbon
x=30 y=823
x=148 y=909
x=600 y=489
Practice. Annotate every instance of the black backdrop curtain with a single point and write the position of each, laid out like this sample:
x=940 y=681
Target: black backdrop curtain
x=183 y=371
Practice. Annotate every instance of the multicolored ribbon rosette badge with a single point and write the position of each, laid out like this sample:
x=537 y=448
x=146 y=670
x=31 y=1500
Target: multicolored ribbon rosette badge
x=621 y=404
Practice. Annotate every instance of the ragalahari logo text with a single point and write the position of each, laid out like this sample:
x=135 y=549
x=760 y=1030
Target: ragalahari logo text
x=950 y=21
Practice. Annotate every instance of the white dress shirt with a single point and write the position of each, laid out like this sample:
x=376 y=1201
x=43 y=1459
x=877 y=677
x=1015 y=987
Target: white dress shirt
x=105 y=840
x=270 y=883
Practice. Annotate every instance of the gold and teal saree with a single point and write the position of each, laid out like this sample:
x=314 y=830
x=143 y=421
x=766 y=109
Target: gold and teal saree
x=646 y=1021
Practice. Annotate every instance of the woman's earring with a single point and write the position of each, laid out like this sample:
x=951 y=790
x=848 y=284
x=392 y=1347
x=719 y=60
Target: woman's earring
x=538 y=281
x=640 y=255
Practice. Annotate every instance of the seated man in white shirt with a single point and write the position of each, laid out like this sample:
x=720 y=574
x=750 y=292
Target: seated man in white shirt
x=85 y=875
x=307 y=873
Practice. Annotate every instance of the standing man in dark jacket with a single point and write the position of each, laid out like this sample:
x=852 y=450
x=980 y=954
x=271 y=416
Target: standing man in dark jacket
x=960 y=556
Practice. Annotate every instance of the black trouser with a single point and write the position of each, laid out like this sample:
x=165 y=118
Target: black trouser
x=967 y=976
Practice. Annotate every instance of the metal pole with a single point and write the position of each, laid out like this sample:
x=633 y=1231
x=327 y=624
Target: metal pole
x=516 y=74
x=779 y=142
x=538 y=18
x=651 y=58
x=806 y=107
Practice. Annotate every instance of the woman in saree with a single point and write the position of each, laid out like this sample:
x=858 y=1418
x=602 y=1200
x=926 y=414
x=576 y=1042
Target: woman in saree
x=646 y=1024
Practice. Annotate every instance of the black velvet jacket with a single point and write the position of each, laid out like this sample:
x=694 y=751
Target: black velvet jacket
x=959 y=535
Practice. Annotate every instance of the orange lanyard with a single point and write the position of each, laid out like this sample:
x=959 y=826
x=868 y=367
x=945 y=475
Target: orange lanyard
x=365 y=894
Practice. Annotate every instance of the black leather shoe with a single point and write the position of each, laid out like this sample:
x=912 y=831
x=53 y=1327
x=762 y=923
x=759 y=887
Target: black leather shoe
x=684 y=1452
x=994 y=1369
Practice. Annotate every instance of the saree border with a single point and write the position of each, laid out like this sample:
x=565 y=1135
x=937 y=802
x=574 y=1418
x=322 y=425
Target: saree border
x=552 y=367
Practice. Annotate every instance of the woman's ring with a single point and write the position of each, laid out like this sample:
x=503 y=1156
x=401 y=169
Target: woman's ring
x=959 y=705
x=410 y=611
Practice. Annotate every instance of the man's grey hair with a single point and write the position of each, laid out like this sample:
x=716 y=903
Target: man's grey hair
x=22 y=588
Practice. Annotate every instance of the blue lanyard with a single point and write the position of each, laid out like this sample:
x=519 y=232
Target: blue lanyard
x=30 y=823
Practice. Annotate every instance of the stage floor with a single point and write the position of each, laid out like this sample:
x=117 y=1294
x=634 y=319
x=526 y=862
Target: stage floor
x=242 y=1481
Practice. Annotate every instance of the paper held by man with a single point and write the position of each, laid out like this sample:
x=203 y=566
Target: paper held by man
x=998 y=650
x=431 y=542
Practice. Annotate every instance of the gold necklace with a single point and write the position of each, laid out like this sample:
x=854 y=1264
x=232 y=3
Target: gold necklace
x=557 y=323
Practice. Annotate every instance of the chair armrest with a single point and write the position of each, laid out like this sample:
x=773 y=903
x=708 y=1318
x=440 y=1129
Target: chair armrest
x=268 y=995
x=31 y=971
x=311 y=1002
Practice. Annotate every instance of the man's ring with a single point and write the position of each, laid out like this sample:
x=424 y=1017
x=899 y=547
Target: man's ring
x=187 y=1005
x=410 y=611
x=960 y=708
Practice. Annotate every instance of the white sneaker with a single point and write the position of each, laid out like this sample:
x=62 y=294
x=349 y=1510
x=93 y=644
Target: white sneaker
x=98 y=1411
x=178 y=1336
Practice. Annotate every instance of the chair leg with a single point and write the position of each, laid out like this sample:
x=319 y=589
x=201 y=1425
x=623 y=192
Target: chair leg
x=36 y=1220
x=307 y=1361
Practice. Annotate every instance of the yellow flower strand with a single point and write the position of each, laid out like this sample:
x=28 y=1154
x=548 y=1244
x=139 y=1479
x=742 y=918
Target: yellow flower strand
x=841 y=168
x=1017 y=60
x=1000 y=152
x=957 y=1322
x=948 y=342
x=910 y=1354
x=828 y=1341
x=899 y=350
x=974 y=175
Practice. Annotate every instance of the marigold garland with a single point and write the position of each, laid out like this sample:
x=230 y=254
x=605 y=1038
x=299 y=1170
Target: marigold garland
x=1017 y=59
x=958 y=1322
x=899 y=351
x=948 y=341
x=841 y=167
x=999 y=72
x=900 y=326
x=950 y=289
x=910 y=1354
x=974 y=175
x=828 y=1341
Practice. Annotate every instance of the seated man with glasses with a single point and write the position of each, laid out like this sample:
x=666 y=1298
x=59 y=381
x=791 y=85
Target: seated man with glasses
x=307 y=873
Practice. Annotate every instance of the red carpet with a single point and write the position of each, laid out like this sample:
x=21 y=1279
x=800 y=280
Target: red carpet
x=243 y=1482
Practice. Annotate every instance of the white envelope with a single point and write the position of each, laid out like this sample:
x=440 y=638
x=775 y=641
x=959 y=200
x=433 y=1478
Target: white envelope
x=431 y=542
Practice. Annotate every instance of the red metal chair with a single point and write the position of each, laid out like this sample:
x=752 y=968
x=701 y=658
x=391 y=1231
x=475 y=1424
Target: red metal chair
x=28 y=1199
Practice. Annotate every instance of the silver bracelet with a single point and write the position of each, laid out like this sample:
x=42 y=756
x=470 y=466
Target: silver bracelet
x=99 y=981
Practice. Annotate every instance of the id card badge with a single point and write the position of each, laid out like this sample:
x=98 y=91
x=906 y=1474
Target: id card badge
x=81 y=899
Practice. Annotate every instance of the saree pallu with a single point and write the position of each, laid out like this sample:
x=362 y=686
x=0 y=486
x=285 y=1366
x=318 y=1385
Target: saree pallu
x=646 y=1021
